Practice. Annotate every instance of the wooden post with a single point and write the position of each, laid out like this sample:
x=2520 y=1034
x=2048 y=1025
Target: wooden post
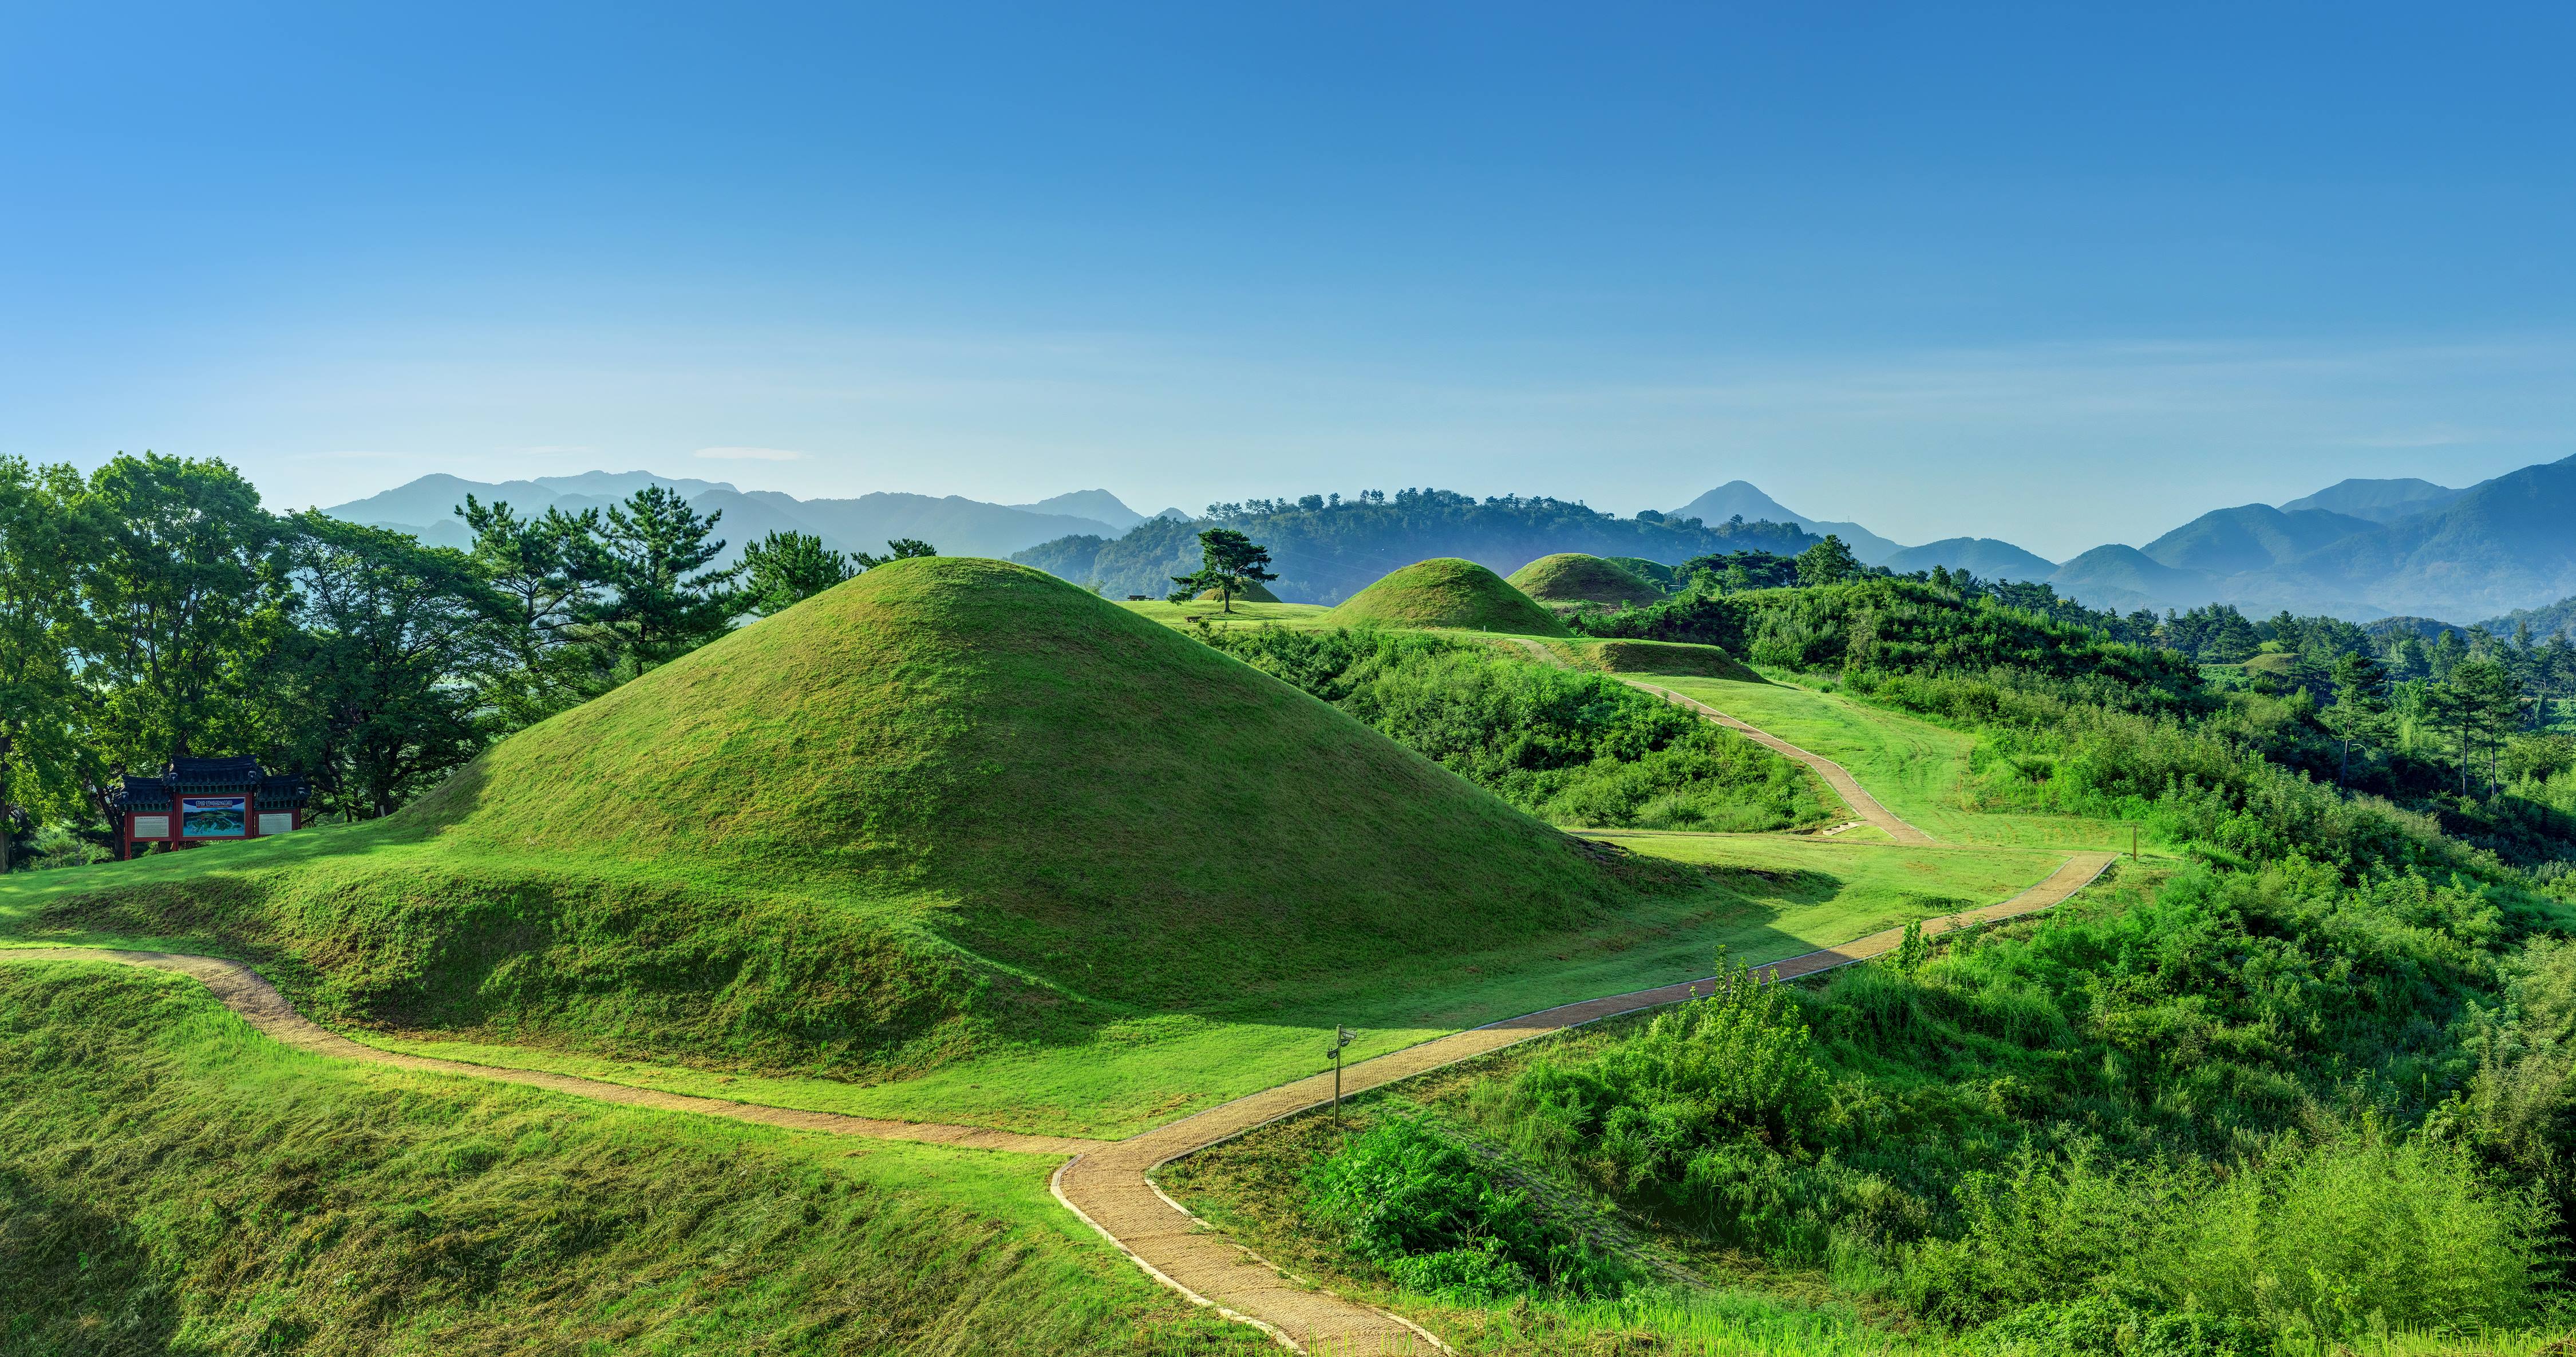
x=1342 y=1036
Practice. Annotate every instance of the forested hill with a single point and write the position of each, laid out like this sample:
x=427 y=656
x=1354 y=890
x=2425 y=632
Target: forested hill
x=1328 y=548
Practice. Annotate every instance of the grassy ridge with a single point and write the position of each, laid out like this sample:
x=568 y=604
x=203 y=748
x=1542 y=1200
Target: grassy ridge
x=175 y=1182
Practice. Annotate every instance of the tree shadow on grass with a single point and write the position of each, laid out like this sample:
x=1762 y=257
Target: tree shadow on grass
x=74 y=1280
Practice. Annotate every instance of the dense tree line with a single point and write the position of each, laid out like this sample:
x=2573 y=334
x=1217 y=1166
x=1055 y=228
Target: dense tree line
x=153 y=609
x=1327 y=548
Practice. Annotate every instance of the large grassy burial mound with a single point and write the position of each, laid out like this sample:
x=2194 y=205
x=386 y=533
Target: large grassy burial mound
x=1449 y=593
x=951 y=801
x=1670 y=658
x=1253 y=591
x=1571 y=579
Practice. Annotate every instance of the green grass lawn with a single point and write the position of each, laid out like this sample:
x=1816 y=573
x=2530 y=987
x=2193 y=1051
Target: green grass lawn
x=172 y=1181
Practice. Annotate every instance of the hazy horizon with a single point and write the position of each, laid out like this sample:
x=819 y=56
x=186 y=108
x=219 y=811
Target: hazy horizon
x=2059 y=278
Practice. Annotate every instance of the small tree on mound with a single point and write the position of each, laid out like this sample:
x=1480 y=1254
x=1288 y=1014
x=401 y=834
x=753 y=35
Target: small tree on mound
x=897 y=549
x=788 y=568
x=1228 y=561
x=645 y=552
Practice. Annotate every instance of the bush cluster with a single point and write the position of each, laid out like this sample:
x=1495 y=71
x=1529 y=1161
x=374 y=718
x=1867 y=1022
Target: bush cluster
x=1418 y=1206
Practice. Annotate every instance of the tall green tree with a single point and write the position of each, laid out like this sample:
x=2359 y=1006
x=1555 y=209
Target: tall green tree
x=651 y=552
x=535 y=563
x=543 y=567
x=2445 y=655
x=1827 y=562
x=2554 y=668
x=183 y=607
x=2360 y=709
x=2478 y=705
x=787 y=568
x=1228 y=561
x=42 y=532
x=390 y=638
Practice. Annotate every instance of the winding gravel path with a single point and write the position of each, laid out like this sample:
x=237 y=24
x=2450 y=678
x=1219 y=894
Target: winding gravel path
x=1864 y=805
x=1856 y=796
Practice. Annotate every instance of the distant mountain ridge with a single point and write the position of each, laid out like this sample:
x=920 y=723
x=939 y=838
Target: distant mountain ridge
x=956 y=525
x=2251 y=537
x=2359 y=549
x=1984 y=557
x=2379 y=501
x=1743 y=498
x=1327 y=553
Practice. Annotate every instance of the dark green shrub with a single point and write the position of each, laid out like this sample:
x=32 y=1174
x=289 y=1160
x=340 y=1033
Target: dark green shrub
x=1424 y=1210
x=1572 y=748
x=2109 y=1326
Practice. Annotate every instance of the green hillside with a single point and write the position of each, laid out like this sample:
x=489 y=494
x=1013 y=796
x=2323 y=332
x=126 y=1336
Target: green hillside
x=1253 y=591
x=1447 y=593
x=951 y=802
x=247 y=1197
x=1571 y=578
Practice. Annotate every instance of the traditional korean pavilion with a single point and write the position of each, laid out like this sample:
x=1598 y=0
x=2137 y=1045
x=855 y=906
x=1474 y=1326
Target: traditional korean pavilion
x=202 y=801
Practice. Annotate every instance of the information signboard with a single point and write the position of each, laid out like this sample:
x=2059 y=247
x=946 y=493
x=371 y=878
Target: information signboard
x=214 y=817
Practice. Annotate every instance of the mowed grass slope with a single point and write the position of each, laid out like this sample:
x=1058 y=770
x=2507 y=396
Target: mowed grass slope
x=1448 y=594
x=1570 y=578
x=170 y=1181
x=951 y=806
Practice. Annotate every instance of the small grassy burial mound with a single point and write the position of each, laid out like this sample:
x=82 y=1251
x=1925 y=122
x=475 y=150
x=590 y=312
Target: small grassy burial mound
x=1572 y=747
x=1669 y=657
x=1253 y=591
x=1447 y=593
x=951 y=802
x=1573 y=580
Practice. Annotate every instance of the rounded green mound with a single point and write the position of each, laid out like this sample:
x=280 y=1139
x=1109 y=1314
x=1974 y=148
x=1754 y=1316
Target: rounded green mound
x=1571 y=579
x=1253 y=591
x=1447 y=593
x=1032 y=771
x=1679 y=658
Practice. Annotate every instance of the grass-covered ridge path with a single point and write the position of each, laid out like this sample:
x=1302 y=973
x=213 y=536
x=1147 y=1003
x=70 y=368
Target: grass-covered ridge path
x=1108 y=1184
x=1866 y=806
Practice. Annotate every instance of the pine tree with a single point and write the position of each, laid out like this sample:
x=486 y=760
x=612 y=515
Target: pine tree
x=1228 y=561
x=2360 y=705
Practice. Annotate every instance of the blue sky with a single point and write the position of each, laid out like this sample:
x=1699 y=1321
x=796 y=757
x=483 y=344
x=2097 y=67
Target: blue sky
x=2056 y=276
